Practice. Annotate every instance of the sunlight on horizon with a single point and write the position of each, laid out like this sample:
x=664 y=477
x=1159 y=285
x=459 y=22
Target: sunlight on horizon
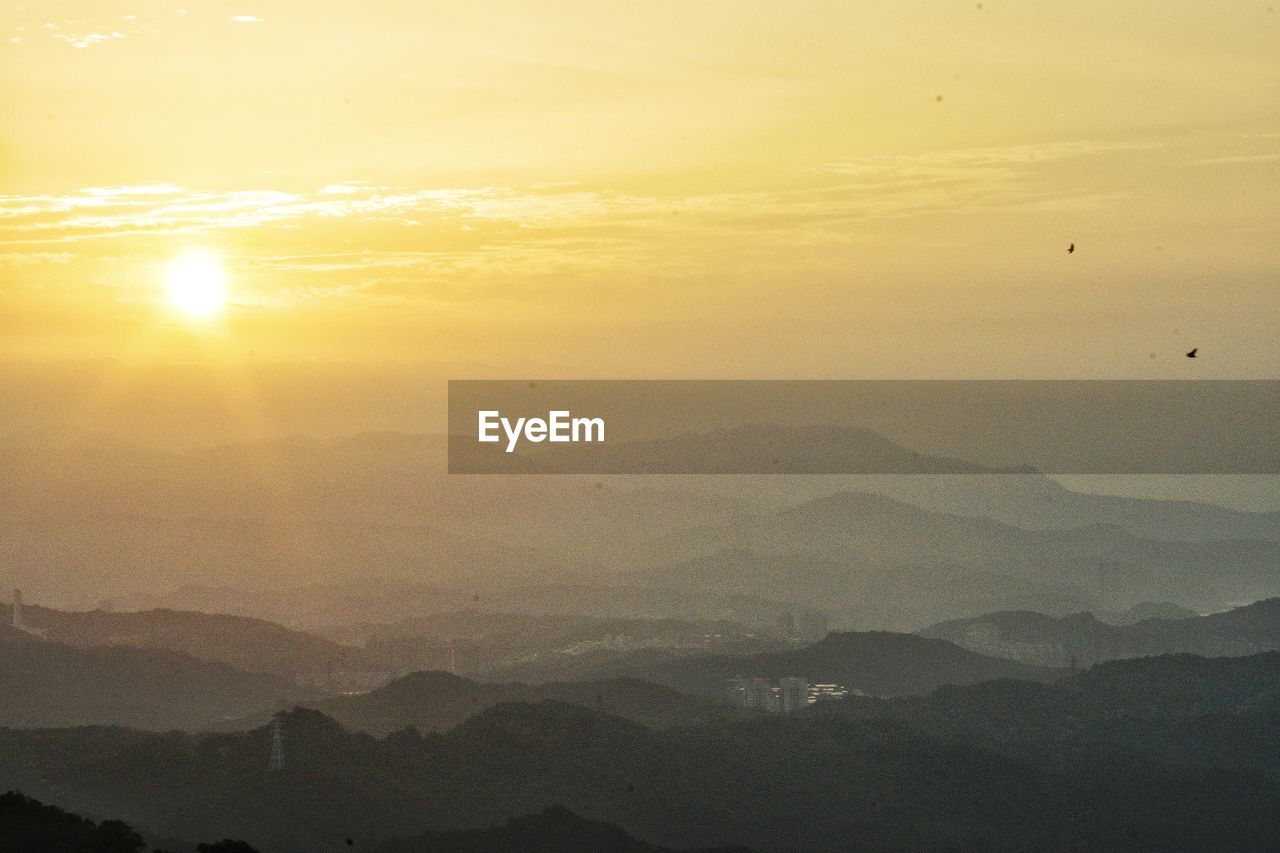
x=865 y=188
x=197 y=284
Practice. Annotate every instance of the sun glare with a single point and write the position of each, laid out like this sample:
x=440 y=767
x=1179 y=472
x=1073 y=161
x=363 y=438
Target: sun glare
x=196 y=284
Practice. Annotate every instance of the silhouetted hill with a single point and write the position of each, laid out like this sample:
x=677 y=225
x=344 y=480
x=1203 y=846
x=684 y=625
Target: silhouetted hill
x=1176 y=710
x=1184 y=684
x=1036 y=638
x=1165 y=686
x=252 y=645
x=553 y=830
x=1147 y=610
x=27 y=826
x=52 y=684
x=438 y=700
x=875 y=662
x=827 y=783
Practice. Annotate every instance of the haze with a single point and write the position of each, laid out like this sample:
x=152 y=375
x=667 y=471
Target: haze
x=590 y=189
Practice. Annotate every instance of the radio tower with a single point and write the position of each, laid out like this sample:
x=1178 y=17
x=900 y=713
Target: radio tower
x=17 y=610
x=277 y=744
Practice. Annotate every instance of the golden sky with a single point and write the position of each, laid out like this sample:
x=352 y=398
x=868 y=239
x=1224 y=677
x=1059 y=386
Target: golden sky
x=698 y=188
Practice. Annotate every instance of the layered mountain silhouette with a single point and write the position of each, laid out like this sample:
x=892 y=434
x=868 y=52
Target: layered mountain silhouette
x=308 y=513
x=1178 y=710
x=877 y=663
x=252 y=645
x=432 y=701
x=553 y=830
x=1057 y=641
x=29 y=826
x=53 y=684
x=1035 y=501
x=1100 y=760
x=883 y=561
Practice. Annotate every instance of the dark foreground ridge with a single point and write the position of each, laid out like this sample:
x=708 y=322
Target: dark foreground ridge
x=553 y=830
x=29 y=826
x=1169 y=753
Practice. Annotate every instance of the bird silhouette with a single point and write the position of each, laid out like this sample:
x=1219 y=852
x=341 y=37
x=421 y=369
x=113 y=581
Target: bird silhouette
x=1071 y=248
x=1193 y=352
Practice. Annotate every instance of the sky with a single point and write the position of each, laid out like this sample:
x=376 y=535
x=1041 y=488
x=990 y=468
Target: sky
x=608 y=189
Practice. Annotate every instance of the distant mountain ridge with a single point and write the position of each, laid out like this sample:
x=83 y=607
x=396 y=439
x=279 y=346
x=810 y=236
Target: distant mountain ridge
x=252 y=645
x=909 y=773
x=1180 y=710
x=1034 y=501
x=312 y=510
x=46 y=684
x=432 y=701
x=1035 y=638
x=878 y=663
x=875 y=557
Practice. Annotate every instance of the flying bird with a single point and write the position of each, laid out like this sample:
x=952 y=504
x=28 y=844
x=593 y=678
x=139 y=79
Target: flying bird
x=1071 y=248
x=1193 y=352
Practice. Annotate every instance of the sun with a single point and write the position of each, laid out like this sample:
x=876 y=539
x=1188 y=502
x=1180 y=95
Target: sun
x=196 y=284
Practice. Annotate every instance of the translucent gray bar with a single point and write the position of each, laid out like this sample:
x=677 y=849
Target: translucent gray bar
x=868 y=426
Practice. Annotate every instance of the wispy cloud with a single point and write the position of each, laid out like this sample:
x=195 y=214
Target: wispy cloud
x=345 y=188
x=88 y=39
x=965 y=162
x=858 y=189
x=1239 y=158
x=21 y=259
x=370 y=238
x=82 y=33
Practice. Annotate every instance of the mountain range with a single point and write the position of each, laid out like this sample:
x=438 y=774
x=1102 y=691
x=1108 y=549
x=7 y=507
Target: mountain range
x=1096 y=761
x=306 y=514
x=29 y=826
x=875 y=560
x=45 y=683
x=877 y=663
x=252 y=645
x=434 y=701
x=1035 y=638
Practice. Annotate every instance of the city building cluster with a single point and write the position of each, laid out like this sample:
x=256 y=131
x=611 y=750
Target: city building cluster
x=786 y=697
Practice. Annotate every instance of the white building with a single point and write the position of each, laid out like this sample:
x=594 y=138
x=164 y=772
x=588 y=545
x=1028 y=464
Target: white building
x=794 y=693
